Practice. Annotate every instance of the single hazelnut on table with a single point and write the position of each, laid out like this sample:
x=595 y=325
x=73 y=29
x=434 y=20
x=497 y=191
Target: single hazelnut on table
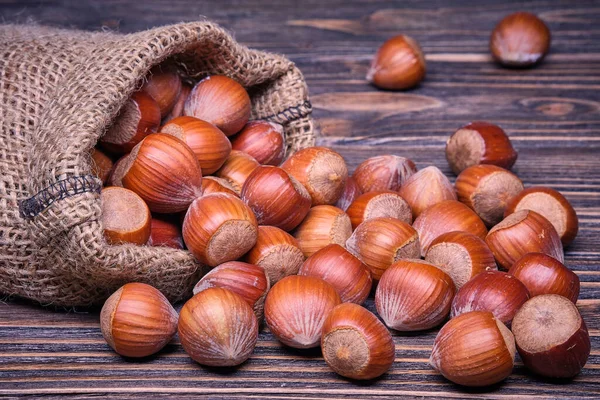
x=350 y=193
x=249 y=281
x=237 y=168
x=101 y=165
x=139 y=117
x=212 y=184
x=137 y=320
x=380 y=242
x=356 y=344
x=542 y=274
x=520 y=233
x=262 y=140
x=520 y=40
x=218 y=328
x=323 y=225
x=425 y=188
x=387 y=172
x=322 y=171
x=447 y=216
x=219 y=227
x=461 y=255
x=275 y=197
x=487 y=189
x=208 y=143
x=164 y=172
x=379 y=204
x=550 y=204
x=338 y=267
x=164 y=87
x=552 y=338
x=177 y=110
x=296 y=308
x=414 y=295
x=479 y=143
x=166 y=232
x=494 y=291
x=125 y=216
x=117 y=172
x=277 y=252
x=474 y=349
x=221 y=101
x=398 y=64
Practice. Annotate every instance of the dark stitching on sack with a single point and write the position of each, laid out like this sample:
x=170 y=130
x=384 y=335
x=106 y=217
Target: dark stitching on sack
x=293 y=112
x=60 y=190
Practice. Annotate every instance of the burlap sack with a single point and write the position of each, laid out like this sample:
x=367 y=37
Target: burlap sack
x=60 y=90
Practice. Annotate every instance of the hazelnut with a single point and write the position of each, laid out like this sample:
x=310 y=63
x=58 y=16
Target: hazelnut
x=212 y=184
x=323 y=225
x=249 y=281
x=461 y=255
x=479 y=143
x=379 y=204
x=350 y=193
x=386 y=172
x=296 y=308
x=338 y=267
x=380 y=242
x=356 y=344
x=117 y=172
x=125 y=216
x=414 y=295
x=208 y=143
x=322 y=171
x=164 y=231
x=164 y=87
x=447 y=216
x=139 y=117
x=551 y=336
x=474 y=349
x=219 y=227
x=487 y=189
x=221 y=101
x=262 y=140
x=425 y=188
x=494 y=291
x=177 y=110
x=164 y=172
x=542 y=274
x=275 y=197
x=101 y=165
x=218 y=328
x=520 y=40
x=137 y=320
x=277 y=252
x=237 y=168
x=520 y=233
x=550 y=204
x=398 y=64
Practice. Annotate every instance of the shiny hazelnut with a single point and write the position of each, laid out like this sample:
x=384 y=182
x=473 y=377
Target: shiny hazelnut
x=479 y=143
x=323 y=225
x=219 y=227
x=164 y=87
x=474 y=349
x=552 y=338
x=296 y=308
x=414 y=295
x=101 y=165
x=117 y=172
x=520 y=233
x=461 y=255
x=386 y=172
x=380 y=242
x=542 y=274
x=398 y=64
x=218 y=328
x=137 y=320
x=262 y=140
x=550 y=204
x=177 y=110
x=350 y=193
x=212 y=184
x=425 y=188
x=125 y=216
x=487 y=189
x=356 y=344
x=338 y=267
x=165 y=232
x=379 y=204
x=237 y=168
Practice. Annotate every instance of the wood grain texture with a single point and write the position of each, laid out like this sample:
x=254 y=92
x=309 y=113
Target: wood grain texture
x=551 y=112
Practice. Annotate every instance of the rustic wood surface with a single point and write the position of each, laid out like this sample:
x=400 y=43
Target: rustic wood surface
x=552 y=113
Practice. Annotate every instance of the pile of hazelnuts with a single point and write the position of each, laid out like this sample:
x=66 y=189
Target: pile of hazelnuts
x=302 y=244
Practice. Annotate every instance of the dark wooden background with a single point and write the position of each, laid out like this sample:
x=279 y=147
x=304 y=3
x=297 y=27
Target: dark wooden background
x=552 y=114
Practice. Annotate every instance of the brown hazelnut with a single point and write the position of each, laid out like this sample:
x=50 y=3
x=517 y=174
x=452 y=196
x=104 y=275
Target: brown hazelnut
x=398 y=64
x=425 y=188
x=237 y=168
x=350 y=193
x=379 y=204
x=166 y=232
x=125 y=216
x=386 y=172
x=164 y=87
x=262 y=140
x=101 y=165
x=323 y=225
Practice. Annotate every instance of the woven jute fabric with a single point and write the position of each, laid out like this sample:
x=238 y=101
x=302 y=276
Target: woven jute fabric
x=60 y=90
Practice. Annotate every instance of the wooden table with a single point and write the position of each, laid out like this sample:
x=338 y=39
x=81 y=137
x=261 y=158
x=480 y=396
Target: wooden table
x=551 y=112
